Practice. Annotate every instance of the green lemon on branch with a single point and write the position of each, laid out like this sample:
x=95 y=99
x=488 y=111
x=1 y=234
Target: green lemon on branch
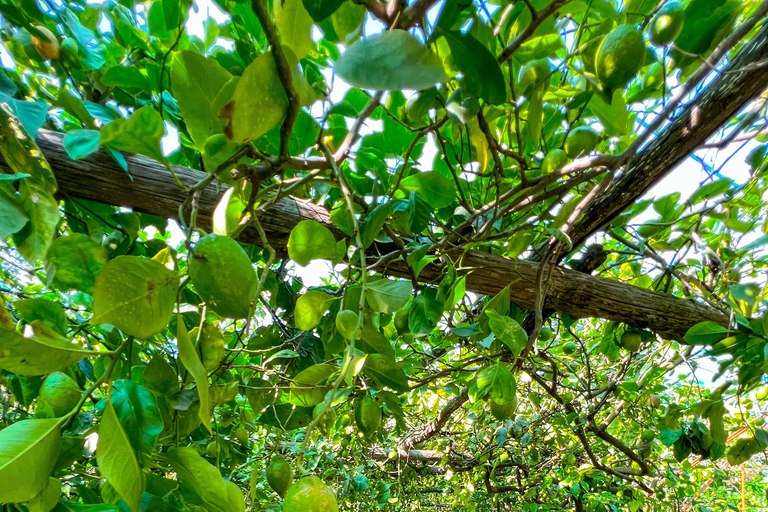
x=346 y=323
x=620 y=57
x=60 y=392
x=503 y=411
x=581 y=141
x=554 y=161
x=667 y=24
x=310 y=494
x=368 y=416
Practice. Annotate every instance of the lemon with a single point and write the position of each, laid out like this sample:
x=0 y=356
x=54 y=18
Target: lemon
x=279 y=475
x=581 y=141
x=48 y=48
x=328 y=421
x=654 y=401
x=554 y=161
x=630 y=341
x=310 y=494
x=762 y=393
x=242 y=435
x=531 y=75
x=648 y=435
x=211 y=345
x=401 y=321
x=368 y=416
x=502 y=412
x=707 y=22
x=60 y=392
x=346 y=323
x=620 y=57
x=733 y=276
x=346 y=419
x=222 y=274
x=545 y=334
x=667 y=24
x=654 y=77
x=569 y=348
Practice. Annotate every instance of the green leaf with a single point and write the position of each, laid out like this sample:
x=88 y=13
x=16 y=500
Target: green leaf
x=373 y=342
x=435 y=189
x=386 y=372
x=74 y=261
x=197 y=81
x=742 y=450
x=136 y=295
x=37 y=351
x=28 y=452
x=310 y=240
x=310 y=308
x=81 y=143
x=705 y=333
x=497 y=381
x=137 y=410
x=141 y=134
x=425 y=312
x=129 y=78
x=507 y=331
x=12 y=215
x=374 y=223
x=315 y=375
x=386 y=296
x=116 y=459
x=201 y=483
x=321 y=9
x=391 y=60
x=481 y=70
x=47 y=499
x=641 y=7
x=46 y=311
x=348 y=21
x=252 y=115
x=191 y=361
x=670 y=437
x=539 y=48
x=294 y=25
x=710 y=190
x=614 y=117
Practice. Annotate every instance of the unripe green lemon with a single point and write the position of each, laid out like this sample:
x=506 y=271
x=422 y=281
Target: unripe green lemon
x=328 y=421
x=581 y=141
x=401 y=320
x=733 y=276
x=279 y=475
x=759 y=422
x=212 y=449
x=242 y=435
x=222 y=274
x=310 y=494
x=648 y=435
x=554 y=161
x=654 y=77
x=569 y=348
x=762 y=393
x=211 y=345
x=630 y=341
x=531 y=75
x=545 y=334
x=503 y=411
x=654 y=401
x=60 y=392
x=346 y=323
x=620 y=57
x=368 y=416
x=504 y=457
x=346 y=419
x=667 y=24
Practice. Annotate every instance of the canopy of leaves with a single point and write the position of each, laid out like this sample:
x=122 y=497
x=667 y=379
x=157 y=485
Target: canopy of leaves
x=365 y=154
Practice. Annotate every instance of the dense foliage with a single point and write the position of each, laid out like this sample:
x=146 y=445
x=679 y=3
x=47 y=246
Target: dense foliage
x=198 y=366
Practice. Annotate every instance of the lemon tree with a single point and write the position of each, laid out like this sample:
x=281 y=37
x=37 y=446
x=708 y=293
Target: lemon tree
x=353 y=255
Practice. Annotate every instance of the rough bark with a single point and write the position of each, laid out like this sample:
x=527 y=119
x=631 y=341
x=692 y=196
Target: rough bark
x=150 y=188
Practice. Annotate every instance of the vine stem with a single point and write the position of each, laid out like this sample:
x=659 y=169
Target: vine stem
x=349 y=354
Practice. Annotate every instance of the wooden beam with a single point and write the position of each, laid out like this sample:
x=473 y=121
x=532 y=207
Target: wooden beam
x=150 y=188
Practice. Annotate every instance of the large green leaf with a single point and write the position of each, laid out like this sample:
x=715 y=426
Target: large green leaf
x=435 y=189
x=294 y=24
x=137 y=410
x=197 y=81
x=387 y=296
x=38 y=350
x=28 y=452
x=386 y=372
x=252 y=115
x=46 y=311
x=705 y=333
x=498 y=382
x=47 y=499
x=310 y=308
x=507 y=331
x=481 y=70
x=614 y=117
x=117 y=461
x=201 y=484
x=191 y=361
x=74 y=261
x=136 y=295
x=140 y=133
x=310 y=240
x=315 y=375
x=12 y=214
x=391 y=60
x=425 y=312
x=321 y=9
